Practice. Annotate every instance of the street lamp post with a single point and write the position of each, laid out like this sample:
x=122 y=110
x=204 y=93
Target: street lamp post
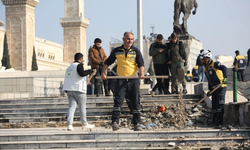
x=139 y=26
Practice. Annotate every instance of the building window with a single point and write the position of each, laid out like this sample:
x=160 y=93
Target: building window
x=40 y=54
x=52 y=56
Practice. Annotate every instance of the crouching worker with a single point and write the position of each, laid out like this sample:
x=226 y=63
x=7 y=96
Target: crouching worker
x=216 y=74
x=128 y=59
x=76 y=88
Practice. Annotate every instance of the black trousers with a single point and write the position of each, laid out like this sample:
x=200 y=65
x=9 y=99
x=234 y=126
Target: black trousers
x=240 y=75
x=218 y=104
x=111 y=85
x=131 y=88
x=98 y=82
x=162 y=69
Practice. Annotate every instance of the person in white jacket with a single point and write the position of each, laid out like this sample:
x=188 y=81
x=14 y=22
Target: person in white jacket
x=76 y=88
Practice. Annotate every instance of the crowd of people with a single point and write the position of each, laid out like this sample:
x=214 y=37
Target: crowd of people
x=169 y=60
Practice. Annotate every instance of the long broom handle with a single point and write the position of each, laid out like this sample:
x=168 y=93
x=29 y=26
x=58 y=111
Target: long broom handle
x=91 y=76
x=132 y=77
x=210 y=93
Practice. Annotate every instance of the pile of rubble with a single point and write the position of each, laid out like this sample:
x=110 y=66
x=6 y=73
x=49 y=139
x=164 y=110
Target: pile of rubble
x=236 y=146
x=178 y=115
x=171 y=115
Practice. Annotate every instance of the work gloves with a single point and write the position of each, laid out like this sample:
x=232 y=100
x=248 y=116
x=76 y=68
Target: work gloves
x=224 y=81
x=208 y=93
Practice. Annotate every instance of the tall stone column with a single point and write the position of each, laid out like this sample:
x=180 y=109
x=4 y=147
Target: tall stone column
x=2 y=32
x=74 y=25
x=20 y=31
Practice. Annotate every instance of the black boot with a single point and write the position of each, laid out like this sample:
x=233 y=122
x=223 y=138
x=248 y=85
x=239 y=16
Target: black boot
x=214 y=123
x=184 y=91
x=137 y=127
x=220 y=118
x=115 y=126
x=166 y=91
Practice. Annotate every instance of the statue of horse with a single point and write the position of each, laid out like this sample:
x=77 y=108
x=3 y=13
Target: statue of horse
x=184 y=6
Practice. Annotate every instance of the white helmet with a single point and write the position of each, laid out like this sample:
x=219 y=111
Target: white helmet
x=206 y=53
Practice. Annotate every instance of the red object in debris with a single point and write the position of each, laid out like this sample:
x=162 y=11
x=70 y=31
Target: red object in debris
x=162 y=108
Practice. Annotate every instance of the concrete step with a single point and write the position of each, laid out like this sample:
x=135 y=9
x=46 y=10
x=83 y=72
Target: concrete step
x=105 y=138
x=55 y=109
x=63 y=117
x=90 y=104
x=98 y=133
x=143 y=143
x=114 y=148
x=96 y=99
x=51 y=116
x=123 y=148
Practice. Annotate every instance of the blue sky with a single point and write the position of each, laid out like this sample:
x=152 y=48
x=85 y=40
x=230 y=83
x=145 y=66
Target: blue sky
x=222 y=26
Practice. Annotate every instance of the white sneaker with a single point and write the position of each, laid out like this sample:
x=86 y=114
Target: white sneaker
x=70 y=128
x=88 y=126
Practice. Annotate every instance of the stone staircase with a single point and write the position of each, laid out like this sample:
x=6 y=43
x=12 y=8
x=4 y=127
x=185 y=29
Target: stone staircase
x=51 y=110
x=55 y=109
x=100 y=138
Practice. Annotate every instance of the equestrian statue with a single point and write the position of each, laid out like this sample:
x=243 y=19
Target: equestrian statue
x=184 y=6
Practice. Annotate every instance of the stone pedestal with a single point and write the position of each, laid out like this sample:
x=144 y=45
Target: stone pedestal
x=192 y=47
x=2 y=32
x=20 y=31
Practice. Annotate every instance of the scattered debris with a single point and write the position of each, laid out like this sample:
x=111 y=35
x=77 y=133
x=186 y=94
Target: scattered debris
x=162 y=108
x=151 y=125
x=172 y=144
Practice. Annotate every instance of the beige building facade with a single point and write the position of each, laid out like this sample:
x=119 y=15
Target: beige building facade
x=20 y=31
x=49 y=55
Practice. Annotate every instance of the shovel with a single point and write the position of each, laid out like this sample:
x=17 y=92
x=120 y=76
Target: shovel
x=207 y=96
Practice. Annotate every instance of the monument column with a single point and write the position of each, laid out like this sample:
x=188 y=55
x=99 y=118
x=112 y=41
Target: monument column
x=74 y=25
x=20 y=31
x=2 y=32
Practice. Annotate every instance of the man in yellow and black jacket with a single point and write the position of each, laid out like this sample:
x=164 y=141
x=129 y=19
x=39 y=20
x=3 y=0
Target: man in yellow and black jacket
x=188 y=76
x=239 y=65
x=195 y=73
x=216 y=74
x=128 y=59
